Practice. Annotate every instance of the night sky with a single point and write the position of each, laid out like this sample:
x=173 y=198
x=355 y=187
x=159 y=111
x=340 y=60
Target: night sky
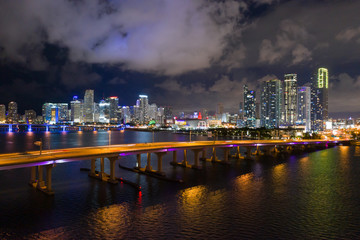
x=191 y=54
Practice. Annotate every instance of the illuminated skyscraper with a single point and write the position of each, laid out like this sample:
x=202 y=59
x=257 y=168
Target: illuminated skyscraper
x=2 y=113
x=290 y=99
x=271 y=103
x=143 y=109
x=89 y=106
x=249 y=107
x=55 y=112
x=114 y=106
x=304 y=107
x=104 y=107
x=76 y=110
x=12 y=116
x=319 y=99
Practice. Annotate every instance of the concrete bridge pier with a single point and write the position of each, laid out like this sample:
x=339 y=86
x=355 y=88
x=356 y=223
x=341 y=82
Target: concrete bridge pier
x=39 y=183
x=226 y=155
x=184 y=162
x=159 y=159
x=196 y=157
x=148 y=167
x=174 y=161
x=237 y=155
x=101 y=174
x=258 y=151
x=138 y=161
x=213 y=157
x=112 y=178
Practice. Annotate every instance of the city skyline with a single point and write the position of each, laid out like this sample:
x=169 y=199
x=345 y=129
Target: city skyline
x=245 y=42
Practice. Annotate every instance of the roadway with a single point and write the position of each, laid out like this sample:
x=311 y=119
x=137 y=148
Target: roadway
x=33 y=158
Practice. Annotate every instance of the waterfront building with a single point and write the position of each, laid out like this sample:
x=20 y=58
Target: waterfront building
x=319 y=99
x=104 y=111
x=126 y=114
x=143 y=104
x=114 y=106
x=76 y=110
x=55 y=112
x=168 y=112
x=12 y=116
x=89 y=106
x=30 y=116
x=271 y=103
x=2 y=113
x=290 y=99
x=249 y=107
x=304 y=107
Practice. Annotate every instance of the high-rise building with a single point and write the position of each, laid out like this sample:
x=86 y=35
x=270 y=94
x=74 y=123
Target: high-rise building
x=249 y=107
x=76 y=110
x=55 y=112
x=104 y=107
x=323 y=84
x=12 y=116
x=304 y=107
x=2 y=113
x=125 y=114
x=144 y=109
x=271 y=103
x=319 y=99
x=152 y=111
x=290 y=99
x=89 y=106
x=114 y=105
x=30 y=116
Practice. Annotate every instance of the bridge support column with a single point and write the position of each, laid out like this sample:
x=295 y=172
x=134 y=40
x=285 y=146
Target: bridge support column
x=112 y=178
x=48 y=188
x=92 y=168
x=237 y=155
x=226 y=155
x=258 y=151
x=213 y=157
x=196 y=158
x=184 y=162
x=33 y=176
x=159 y=159
x=148 y=164
x=41 y=182
x=138 y=161
x=102 y=174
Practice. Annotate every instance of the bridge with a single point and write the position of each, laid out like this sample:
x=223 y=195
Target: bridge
x=36 y=160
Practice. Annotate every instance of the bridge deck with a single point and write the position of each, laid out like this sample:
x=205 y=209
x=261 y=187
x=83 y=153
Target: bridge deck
x=33 y=158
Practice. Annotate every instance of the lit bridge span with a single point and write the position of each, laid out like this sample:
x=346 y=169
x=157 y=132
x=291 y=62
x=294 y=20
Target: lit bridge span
x=49 y=158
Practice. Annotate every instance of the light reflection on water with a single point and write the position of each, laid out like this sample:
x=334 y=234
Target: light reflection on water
x=312 y=196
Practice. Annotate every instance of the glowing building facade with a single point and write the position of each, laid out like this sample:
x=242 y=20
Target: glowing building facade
x=290 y=99
x=271 y=103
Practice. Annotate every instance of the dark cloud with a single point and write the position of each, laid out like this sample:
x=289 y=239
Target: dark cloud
x=191 y=53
